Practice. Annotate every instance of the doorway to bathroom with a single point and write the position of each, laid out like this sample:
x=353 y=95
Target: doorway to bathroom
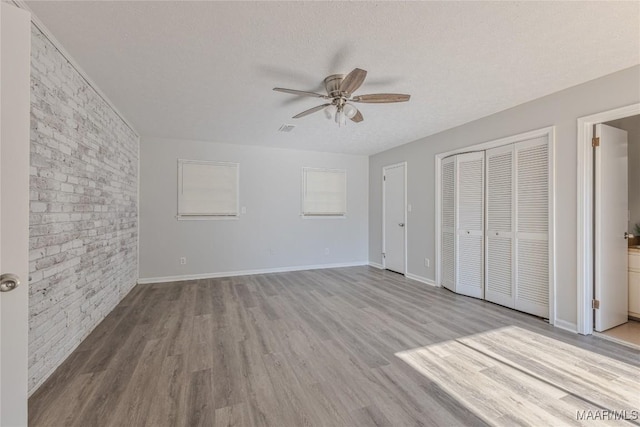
x=627 y=327
x=609 y=209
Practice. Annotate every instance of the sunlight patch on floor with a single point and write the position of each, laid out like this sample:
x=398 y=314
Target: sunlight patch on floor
x=513 y=376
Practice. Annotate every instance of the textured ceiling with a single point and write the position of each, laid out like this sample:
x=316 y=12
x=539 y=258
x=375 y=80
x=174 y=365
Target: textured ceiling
x=205 y=70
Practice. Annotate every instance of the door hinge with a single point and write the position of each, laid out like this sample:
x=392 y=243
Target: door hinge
x=384 y=255
x=595 y=142
x=384 y=177
x=595 y=304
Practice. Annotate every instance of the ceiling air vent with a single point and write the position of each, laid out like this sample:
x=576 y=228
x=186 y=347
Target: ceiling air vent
x=286 y=128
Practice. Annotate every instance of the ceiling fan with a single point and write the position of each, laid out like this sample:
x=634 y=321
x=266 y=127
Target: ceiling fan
x=340 y=97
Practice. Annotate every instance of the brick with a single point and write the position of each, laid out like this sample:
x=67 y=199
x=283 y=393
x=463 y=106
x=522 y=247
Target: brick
x=83 y=219
x=38 y=207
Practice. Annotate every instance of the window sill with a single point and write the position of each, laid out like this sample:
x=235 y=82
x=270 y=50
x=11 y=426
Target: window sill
x=207 y=218
x=323 y=216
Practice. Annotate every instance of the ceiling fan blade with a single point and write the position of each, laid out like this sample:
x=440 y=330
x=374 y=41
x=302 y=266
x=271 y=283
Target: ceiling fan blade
x=300 y=92
x=353 y=81
x=310 y=111
x=379 y=98
x=358 y=117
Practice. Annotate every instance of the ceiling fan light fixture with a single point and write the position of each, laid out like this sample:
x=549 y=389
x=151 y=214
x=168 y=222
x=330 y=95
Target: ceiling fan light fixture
x=330 y=111
x=349 y=110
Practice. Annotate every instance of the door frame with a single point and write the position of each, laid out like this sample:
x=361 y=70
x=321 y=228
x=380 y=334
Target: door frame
x=384 y=214
x=585 y=220
x=549 y=132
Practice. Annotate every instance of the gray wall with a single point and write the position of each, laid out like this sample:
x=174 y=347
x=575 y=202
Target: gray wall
x=632 y=126
x=83 y=225
x=560 y=109
x=270 y=235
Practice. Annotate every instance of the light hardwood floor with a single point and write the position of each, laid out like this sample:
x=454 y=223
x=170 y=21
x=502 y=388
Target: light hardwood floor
x=342 y=347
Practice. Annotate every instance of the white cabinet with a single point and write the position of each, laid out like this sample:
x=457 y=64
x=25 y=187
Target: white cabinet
x=634 y=284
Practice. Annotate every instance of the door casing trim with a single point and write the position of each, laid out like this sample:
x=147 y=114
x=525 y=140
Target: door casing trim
x=585 y=219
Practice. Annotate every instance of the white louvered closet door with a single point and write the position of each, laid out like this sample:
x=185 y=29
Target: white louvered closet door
x=500 y=211
x=448 y=222
x=532 y=227
x=470 y=224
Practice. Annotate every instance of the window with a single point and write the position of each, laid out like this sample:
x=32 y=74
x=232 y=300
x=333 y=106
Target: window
x=324 y=192
x=207 y=189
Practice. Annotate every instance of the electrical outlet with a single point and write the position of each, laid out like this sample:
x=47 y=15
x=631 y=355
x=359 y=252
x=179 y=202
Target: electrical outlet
x=243 y=210
x=326 y=251
x=183 y=261
x=427 y=262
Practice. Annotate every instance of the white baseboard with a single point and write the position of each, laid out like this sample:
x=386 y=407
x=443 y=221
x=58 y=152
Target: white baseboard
x=421 y=279
x=247 y=272
x=376 y=265
x=567 y=326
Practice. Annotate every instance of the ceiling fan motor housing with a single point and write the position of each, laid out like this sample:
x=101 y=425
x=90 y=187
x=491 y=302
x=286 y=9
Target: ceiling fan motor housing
x=332 y=85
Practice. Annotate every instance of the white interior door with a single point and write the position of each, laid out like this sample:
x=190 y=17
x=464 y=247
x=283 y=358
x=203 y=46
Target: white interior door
x=470 y=224
x=448 y=223
x=15 y=45
x=611 y=221
x=532 y=226
x=394 y=217
x=500 y=211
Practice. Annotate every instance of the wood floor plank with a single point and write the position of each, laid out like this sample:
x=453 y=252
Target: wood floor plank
x=231 y=416
x=200 y=411
x=110 y=391
x=168 y=406
x=349 y=347
x=135 y=402
x=68 y=408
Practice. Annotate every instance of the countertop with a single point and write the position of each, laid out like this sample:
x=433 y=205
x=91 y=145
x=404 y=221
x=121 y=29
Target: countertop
x=634 y=249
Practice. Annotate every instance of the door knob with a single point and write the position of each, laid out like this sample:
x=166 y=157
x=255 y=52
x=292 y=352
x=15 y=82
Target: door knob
x=626 y=235
x=9 y=282
x=401 y=224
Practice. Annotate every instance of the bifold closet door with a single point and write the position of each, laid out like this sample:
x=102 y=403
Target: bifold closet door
x=448 y=223
x=469 y=246
x=532 y=227
x=500 y=211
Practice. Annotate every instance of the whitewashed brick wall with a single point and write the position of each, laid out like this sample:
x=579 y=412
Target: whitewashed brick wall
x=84 y=209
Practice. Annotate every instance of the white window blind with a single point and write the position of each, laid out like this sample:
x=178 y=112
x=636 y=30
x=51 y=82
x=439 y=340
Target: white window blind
x=207 y=188
x=324 y=192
